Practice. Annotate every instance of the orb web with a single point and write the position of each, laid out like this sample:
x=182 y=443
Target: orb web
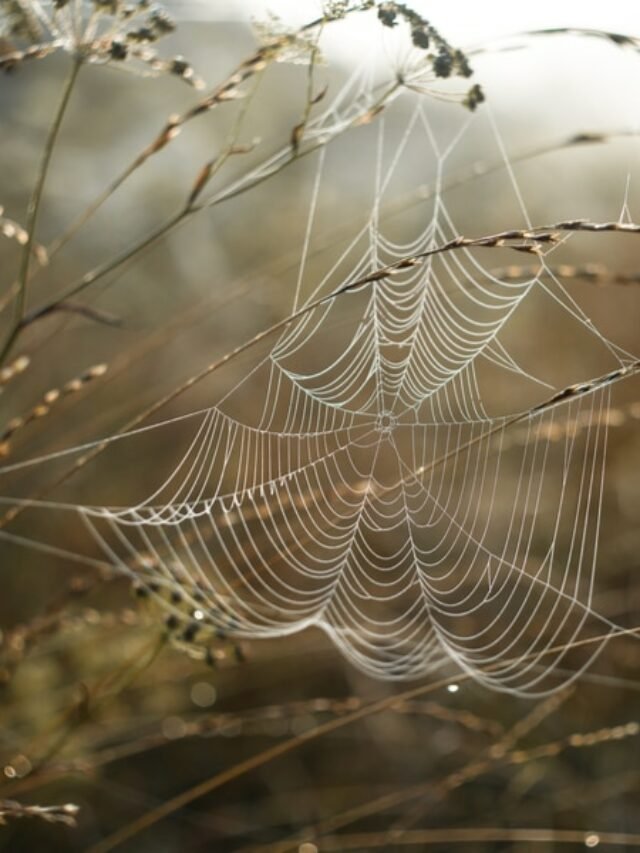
x=374 y=492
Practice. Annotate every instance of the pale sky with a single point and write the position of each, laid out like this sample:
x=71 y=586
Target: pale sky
x=465 y=20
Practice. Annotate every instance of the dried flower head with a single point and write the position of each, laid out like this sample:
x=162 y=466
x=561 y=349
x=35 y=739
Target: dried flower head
x=333 y=10
x=289 y=45
x=98 y=31
x=438 y=58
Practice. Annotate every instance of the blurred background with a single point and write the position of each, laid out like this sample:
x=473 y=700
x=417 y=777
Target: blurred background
x=106 y=706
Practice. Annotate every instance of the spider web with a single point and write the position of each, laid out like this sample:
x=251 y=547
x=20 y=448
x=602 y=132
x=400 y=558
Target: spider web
x=372 y=492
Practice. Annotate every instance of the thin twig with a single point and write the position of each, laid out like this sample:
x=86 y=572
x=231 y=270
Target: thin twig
x=34 y=207
x=473 y=835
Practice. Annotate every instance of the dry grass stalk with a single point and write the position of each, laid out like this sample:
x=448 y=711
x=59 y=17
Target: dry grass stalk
x=44 y=407
x=596 y=274
x=14 y=369
x=446 y=62
x=65 y=814
x=613 y=417
x=169 y=807
x=10 y=229
x=227 y=91
x=436 y=790
x=254 y=722
x=421 y=838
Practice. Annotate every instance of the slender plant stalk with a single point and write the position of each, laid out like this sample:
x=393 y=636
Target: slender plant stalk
x=173 y=805
x=453 y=836
x=33 y=209
x=477 y=766
x=186 y=212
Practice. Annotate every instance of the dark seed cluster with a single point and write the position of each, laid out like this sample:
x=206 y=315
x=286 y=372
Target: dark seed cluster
x=446 y=61
x=203 y=634
x=103 y=31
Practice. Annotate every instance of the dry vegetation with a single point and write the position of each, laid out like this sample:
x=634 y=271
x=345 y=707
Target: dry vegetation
x=150 y=242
